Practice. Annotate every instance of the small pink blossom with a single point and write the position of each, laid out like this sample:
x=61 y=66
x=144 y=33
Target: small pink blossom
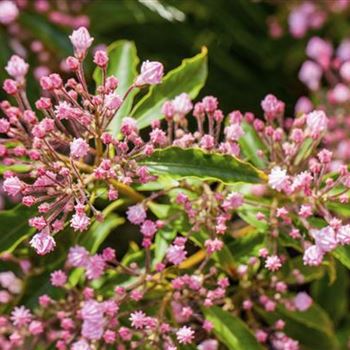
x=80 y=222
x=136 y=214
x=176 y=254
x=8 y=12
x=151 y=73
x=79 y=148
x=278 y=178
x=182 y=104
x=21 y=316
x=302 y=301
x=13 y=186
x=185 y=335
x=317 y=122
x=81 y=40
x=313 y=256
x=43 y=243
x=58 y=278
x=273 y=263
x=17 y=68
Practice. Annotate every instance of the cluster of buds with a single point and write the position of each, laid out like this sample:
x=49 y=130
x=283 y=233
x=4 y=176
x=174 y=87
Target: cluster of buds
x=68 y=149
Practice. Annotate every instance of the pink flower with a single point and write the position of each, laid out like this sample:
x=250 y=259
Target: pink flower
x=233 y=201
x=148 y=228
x=13 y=186
x=95 y=267
x=210 y=104
x=43 y=243
x=313 y=256
x=261 y=336
x=138 y=319
x=303 y=105
x=17 y=68
x=36 y=327
x=8 y=12
x=129 y=126
x=20 y=316
x=278 y=178
x=343 y=235
x=58 y=278
x=319 y=50
x=81 y=40
x=185 y=335
x=93 y=320
x=273 y=263
x=213 y=245
x=151 y=73
x=209 y=344
x=101 y=58
x=80 y=222
x=302 y=301
x=136 y=214
x=79 y=148
x=182 y=104
x=317 y=122
x=310 y=74
x=272 y=107
x=325 y=238
x=81 y=345
x=176 y=254
x=113 y=101
x=233 y=132
x=78 y=256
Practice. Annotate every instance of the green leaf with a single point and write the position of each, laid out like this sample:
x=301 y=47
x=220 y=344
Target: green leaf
x=343 y=255
x=99 y=231
x=247 y=212
x=189 y=77
x=194 y=162
x=163 y=239
x=230 y=330
x=250 y=143
x=15 y=227
x=333 y=297
x=122 y=64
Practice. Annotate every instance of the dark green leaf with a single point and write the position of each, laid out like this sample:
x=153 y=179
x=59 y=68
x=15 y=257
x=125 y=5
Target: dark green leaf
x=194 y=162
x=231 y=330
x=343 y=255
x=15 y=227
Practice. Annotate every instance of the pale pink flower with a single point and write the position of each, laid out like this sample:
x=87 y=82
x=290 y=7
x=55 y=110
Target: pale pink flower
x=81 y=40
x=343 y=235
x=113 y=101
x=128 y=126
x=310 y=74
x=176 y=254
x=303 y=105
x=325 y=238
x=302 y=301
x=213 y=245
x=233 y=132
x=339 y=94
x=101 y=58
x=320 y=50
x=185 y=335
x=43 y=243
x=17 y=68
x=182 y=104
x=78 y=256
x=80 y=222
x=233 y=201
x=317 y=122
x=58 y=278
x=95 y=267
x=13 y=186
x=278 y=178
x=343 y=50
x=261 y=336
x=345 y=71
x=138 y=319
x=148 y=228
x=8 y=11
x=136 y=214
x=20 y=316
x=273 y=263
x=209 y=344
x=36 y=327
x=93 y=320
x=272 y=106
x=151 y=73
x=81 y=345
x=313 y=256
x=79 y=148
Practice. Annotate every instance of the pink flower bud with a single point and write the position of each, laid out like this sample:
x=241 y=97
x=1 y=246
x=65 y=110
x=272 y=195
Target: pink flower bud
x=79 y=148
x=43 y=243
x=13 y=186
x=81 y=41
x=101 y=58
x=8 y=12
x=72 y=63
x=10 y=87
x=151 y=73
x=17 y=68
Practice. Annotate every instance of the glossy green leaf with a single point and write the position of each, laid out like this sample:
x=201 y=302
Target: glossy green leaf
x=194 y=162
x=189 y=77
x=343 y=255
x=14 y=227
x=230 y=330
x=122 y=64
x=250 y=143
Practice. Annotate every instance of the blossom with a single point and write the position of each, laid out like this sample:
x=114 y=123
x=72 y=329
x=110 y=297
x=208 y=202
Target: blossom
x=81 y=345
x=136 y=214
x=273 y=263
x=320 y=50
x=151 y=73
x=81 y=40
x=113 y=101
x=209 y=344
x=21 y=316
x=313 y=255
x=13 y=186
x=78 y=256
x=17 y=68
x=213 y=245
x=317 y=122
x=8 y=12
x=43 y=243
x=278 y=178
x=182 y=104
x=36 y=327
x=272 y=106
x=101 y=58
x=79 y=148
x=185 y=335
x=58 y=278
x=95 y=267
x=310 y=74
x=343 y=235
x=93 y=320
x=138 y=319
x=325 y=238
x=80 y=222
x=176 y=254
x=302 y=301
